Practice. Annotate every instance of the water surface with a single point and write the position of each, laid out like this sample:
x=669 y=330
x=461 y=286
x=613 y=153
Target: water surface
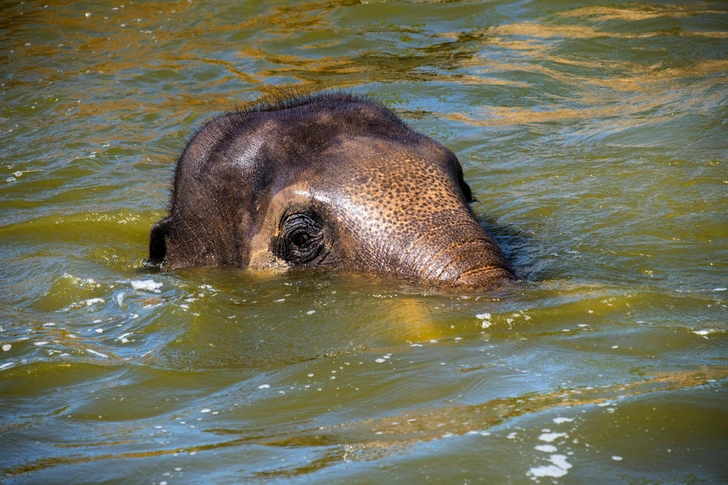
x=594 y=136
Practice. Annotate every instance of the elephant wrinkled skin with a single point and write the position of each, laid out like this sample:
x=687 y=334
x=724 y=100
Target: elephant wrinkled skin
x=328 y=180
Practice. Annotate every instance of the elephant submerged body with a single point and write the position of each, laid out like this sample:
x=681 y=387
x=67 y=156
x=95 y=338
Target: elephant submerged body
x=328 y=180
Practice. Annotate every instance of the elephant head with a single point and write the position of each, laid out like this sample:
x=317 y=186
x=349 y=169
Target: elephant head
x=329 y=180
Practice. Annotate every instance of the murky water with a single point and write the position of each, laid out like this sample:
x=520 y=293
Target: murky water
x=594 y=135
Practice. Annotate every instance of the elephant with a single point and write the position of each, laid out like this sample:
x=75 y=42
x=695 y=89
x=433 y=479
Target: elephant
x=326 y=180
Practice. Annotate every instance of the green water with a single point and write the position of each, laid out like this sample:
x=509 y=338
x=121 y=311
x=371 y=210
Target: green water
x=595 y=136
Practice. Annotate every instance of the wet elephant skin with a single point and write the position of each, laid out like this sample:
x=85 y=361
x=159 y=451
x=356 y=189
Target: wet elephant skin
x=327 y=180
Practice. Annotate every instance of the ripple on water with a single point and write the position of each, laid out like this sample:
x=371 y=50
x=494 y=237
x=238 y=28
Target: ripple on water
x=594 y=138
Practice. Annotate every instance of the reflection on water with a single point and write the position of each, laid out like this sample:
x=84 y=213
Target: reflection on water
x=593 y=135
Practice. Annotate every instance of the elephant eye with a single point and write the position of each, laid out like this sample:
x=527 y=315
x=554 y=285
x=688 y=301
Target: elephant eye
x=300 y=239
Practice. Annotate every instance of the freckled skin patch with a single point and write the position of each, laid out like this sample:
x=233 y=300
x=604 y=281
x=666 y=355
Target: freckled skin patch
x=370 y=193
x=411 y=214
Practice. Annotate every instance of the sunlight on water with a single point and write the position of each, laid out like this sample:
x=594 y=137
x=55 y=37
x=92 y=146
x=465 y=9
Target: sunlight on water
x=593 y=135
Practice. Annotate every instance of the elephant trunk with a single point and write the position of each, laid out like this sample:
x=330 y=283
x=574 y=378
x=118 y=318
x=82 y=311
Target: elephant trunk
x=468 y=257
x=450 y=251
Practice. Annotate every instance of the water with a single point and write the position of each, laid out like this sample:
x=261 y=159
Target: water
x=594 y=136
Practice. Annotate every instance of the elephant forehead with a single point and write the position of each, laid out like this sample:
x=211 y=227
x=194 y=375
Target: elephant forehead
x=399 y=200
x=401 y=183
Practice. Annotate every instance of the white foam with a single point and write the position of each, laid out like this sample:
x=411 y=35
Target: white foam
x=558 y=468
x=147 y=285
x=562 y=420
x=97 y=353
x=546 y=448
x=560 y=461
x=549 y=437
x=546 y=471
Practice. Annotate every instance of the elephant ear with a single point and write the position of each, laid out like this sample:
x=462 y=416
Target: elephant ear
x=467 y=192
x=158 y=242
x=464 y=185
